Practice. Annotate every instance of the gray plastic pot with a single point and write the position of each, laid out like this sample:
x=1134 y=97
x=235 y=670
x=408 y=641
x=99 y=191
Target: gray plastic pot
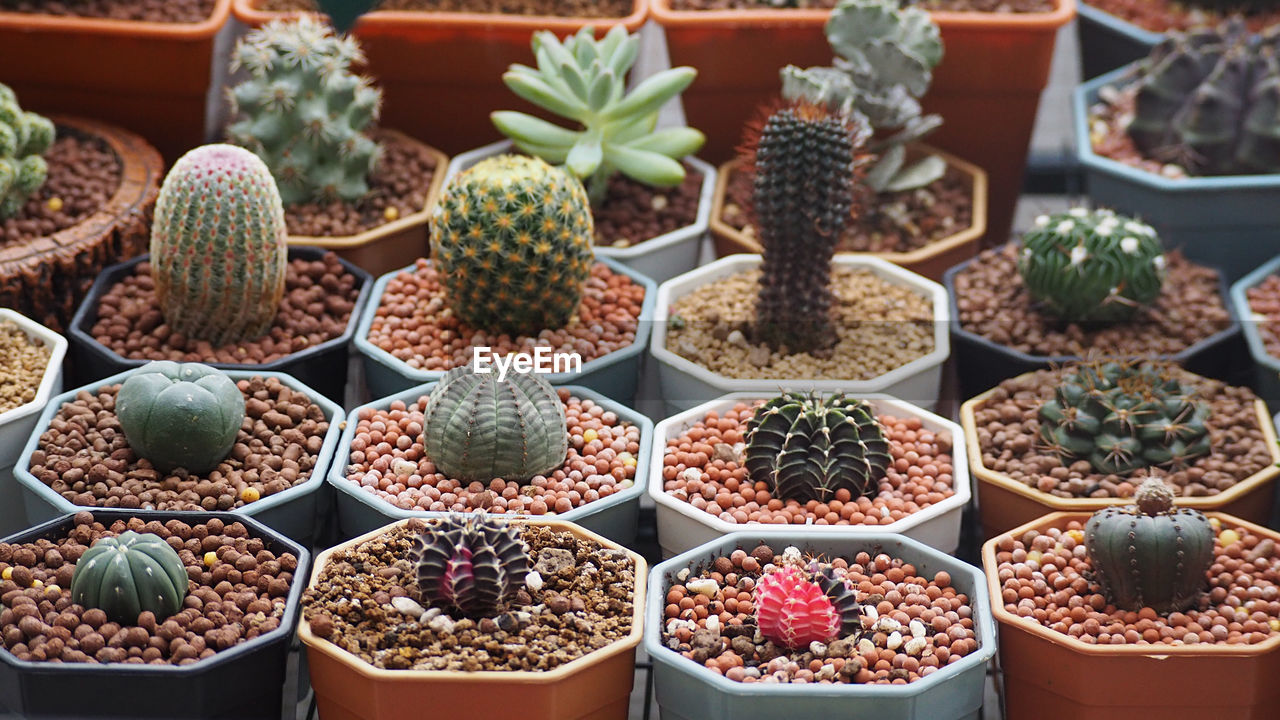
x=1266 y=367
x=293 y=512
x=1107 y=42
x=687 y=690
x=614 y=517
x=241 y=683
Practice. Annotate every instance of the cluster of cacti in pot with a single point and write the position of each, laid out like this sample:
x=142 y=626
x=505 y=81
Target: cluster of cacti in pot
x=469 y=565
x=128 y=575
x=24 y=139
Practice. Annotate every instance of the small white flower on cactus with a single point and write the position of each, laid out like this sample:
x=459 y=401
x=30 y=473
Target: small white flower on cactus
x=1065 y=227
x=1078 y=255
x=1078 y=212
x=1129 y=245
x=1042 y=220
x=1159 y=262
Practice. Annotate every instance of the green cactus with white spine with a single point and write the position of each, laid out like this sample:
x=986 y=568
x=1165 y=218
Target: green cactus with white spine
x=128 y=575
x=218 y=251
x=24 y=138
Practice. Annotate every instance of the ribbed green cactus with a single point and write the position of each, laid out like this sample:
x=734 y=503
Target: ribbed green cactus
x=477 y=427
x=24 y=138
x=1123 y=416
x=512 y=239
x=128 y=575
x=304 y=112
x=1091 y=266
x=1150 y=554
x=184 y=415
x=470 y=564
x=807 y=448
x=218 y=250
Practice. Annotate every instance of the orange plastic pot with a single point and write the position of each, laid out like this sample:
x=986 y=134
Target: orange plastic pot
x=441 y=72
x=1052 y=676
x=152 y=78
x=594 y=687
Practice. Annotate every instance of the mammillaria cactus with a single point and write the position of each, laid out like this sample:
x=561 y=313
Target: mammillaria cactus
x=1092 y=265
x=1122 y=416
x=24 y=138
x=304 y=112
x=218 y=249
x=184 y=415
x=470 y=564
x=1150 y=554
x=512 y=237
x=478 y=427
x=806 y=448
x=795 y=607
x=584 y=80
x=128 y=575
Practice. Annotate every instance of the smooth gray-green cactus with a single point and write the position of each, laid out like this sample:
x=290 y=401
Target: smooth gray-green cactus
x=24 y=138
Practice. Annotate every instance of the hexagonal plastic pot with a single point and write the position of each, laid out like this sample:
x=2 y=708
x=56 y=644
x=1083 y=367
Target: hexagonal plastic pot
x=682 y=526
x=1107 y=42
x=1266 y=367
x=594 y=687
x=1052 y=676
x=243 y=682
x=615 y=517
x=689 y=691
x=686 y=383
x=293 y=512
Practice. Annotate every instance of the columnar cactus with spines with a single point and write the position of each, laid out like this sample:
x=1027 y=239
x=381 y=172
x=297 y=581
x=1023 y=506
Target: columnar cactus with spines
x=1092 y=266
x=24 y=138
x=1150 y=554
x=218 y=250
x=798 y=606
x=470 y=565
x=807 y=448
x=511 y=237
x=128 y=575
x=477 y=427
x=304 y=112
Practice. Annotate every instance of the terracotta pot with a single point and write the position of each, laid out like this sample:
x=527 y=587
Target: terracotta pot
x=156 y=79
x=930 y=261
x=594 y=687
x=46 y=278
x=1052 y=676
x=441 y=72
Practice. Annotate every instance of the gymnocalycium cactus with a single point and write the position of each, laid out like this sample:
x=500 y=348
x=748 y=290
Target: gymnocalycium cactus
x=584 y=80
x=1125 y=416
x=218 y=249
x=477 y=427
x=180 y=415
x=797 y=606
x=128 y=575
x=807 y=448
x=24 y=138
x=304 y=112
x=512 y=239
x=470 y=564
x=1092 y=265
x=1150 y=554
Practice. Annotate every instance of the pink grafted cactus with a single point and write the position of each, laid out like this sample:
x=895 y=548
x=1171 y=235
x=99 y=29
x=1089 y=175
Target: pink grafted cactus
x=793 y=610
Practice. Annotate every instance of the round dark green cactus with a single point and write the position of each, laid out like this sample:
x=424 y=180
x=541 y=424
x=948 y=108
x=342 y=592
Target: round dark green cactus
x=470 y=564
x=180 y=415
x=806 y=448
x=128 y=575
x=1150 y=554
x=477 y=427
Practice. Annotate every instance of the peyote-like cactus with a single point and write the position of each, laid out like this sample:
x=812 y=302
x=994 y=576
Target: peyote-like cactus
x=806 y=448
x=470 y=564
x=1091 y=266
x=1209 y=101
x=1150 y=554
x=795 y=607
x=128 y=575
x=304 y=112
x=1122 y=417
x=218 y=249
x=477 y=427
x=184 y=415
x=511 y=237
x=24 y=138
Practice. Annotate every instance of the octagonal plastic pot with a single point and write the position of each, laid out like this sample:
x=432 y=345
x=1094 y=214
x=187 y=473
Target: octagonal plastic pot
x=690 y=691
x=682 y=526
x=244 y=682
x=1266 y=367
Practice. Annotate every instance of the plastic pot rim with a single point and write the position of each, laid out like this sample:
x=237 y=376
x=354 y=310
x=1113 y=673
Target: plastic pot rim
x=385 y=22
x=1250 y=320
x=1117 y=25
x=203 y=30
x=57 y=345
x=661 y=12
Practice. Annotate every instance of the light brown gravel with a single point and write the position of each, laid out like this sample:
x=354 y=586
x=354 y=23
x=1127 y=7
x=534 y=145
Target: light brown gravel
x=22 y=366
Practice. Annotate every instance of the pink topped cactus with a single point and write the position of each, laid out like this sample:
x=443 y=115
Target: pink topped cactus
x=795 y=608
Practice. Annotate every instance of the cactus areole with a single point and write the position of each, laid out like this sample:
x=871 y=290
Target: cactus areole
x=128 y=575
x=184 y=415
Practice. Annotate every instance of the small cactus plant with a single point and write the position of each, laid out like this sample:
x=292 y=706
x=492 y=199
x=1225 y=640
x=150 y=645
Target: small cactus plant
x=797 y=606
x=1092 y=266
x=180 y=415
x=128 y=575
x=304 y=112
x=511 y=237
x=1150 y=554
x=218 y=249
x=470 y=565
x=806 y=448
x=477 y=427
x=24 y=138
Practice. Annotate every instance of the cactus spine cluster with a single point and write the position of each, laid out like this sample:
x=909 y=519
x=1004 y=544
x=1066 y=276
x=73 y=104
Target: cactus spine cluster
x=304 y=112
x=807 y=448
x=1091 y=266
x=1150 y=554
x=469 y=564
x=128 y=575
x=511 y=237
x=24 y=138
x=797 y=606
x=180 y=415
x=477 y=427
x=218 y=249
